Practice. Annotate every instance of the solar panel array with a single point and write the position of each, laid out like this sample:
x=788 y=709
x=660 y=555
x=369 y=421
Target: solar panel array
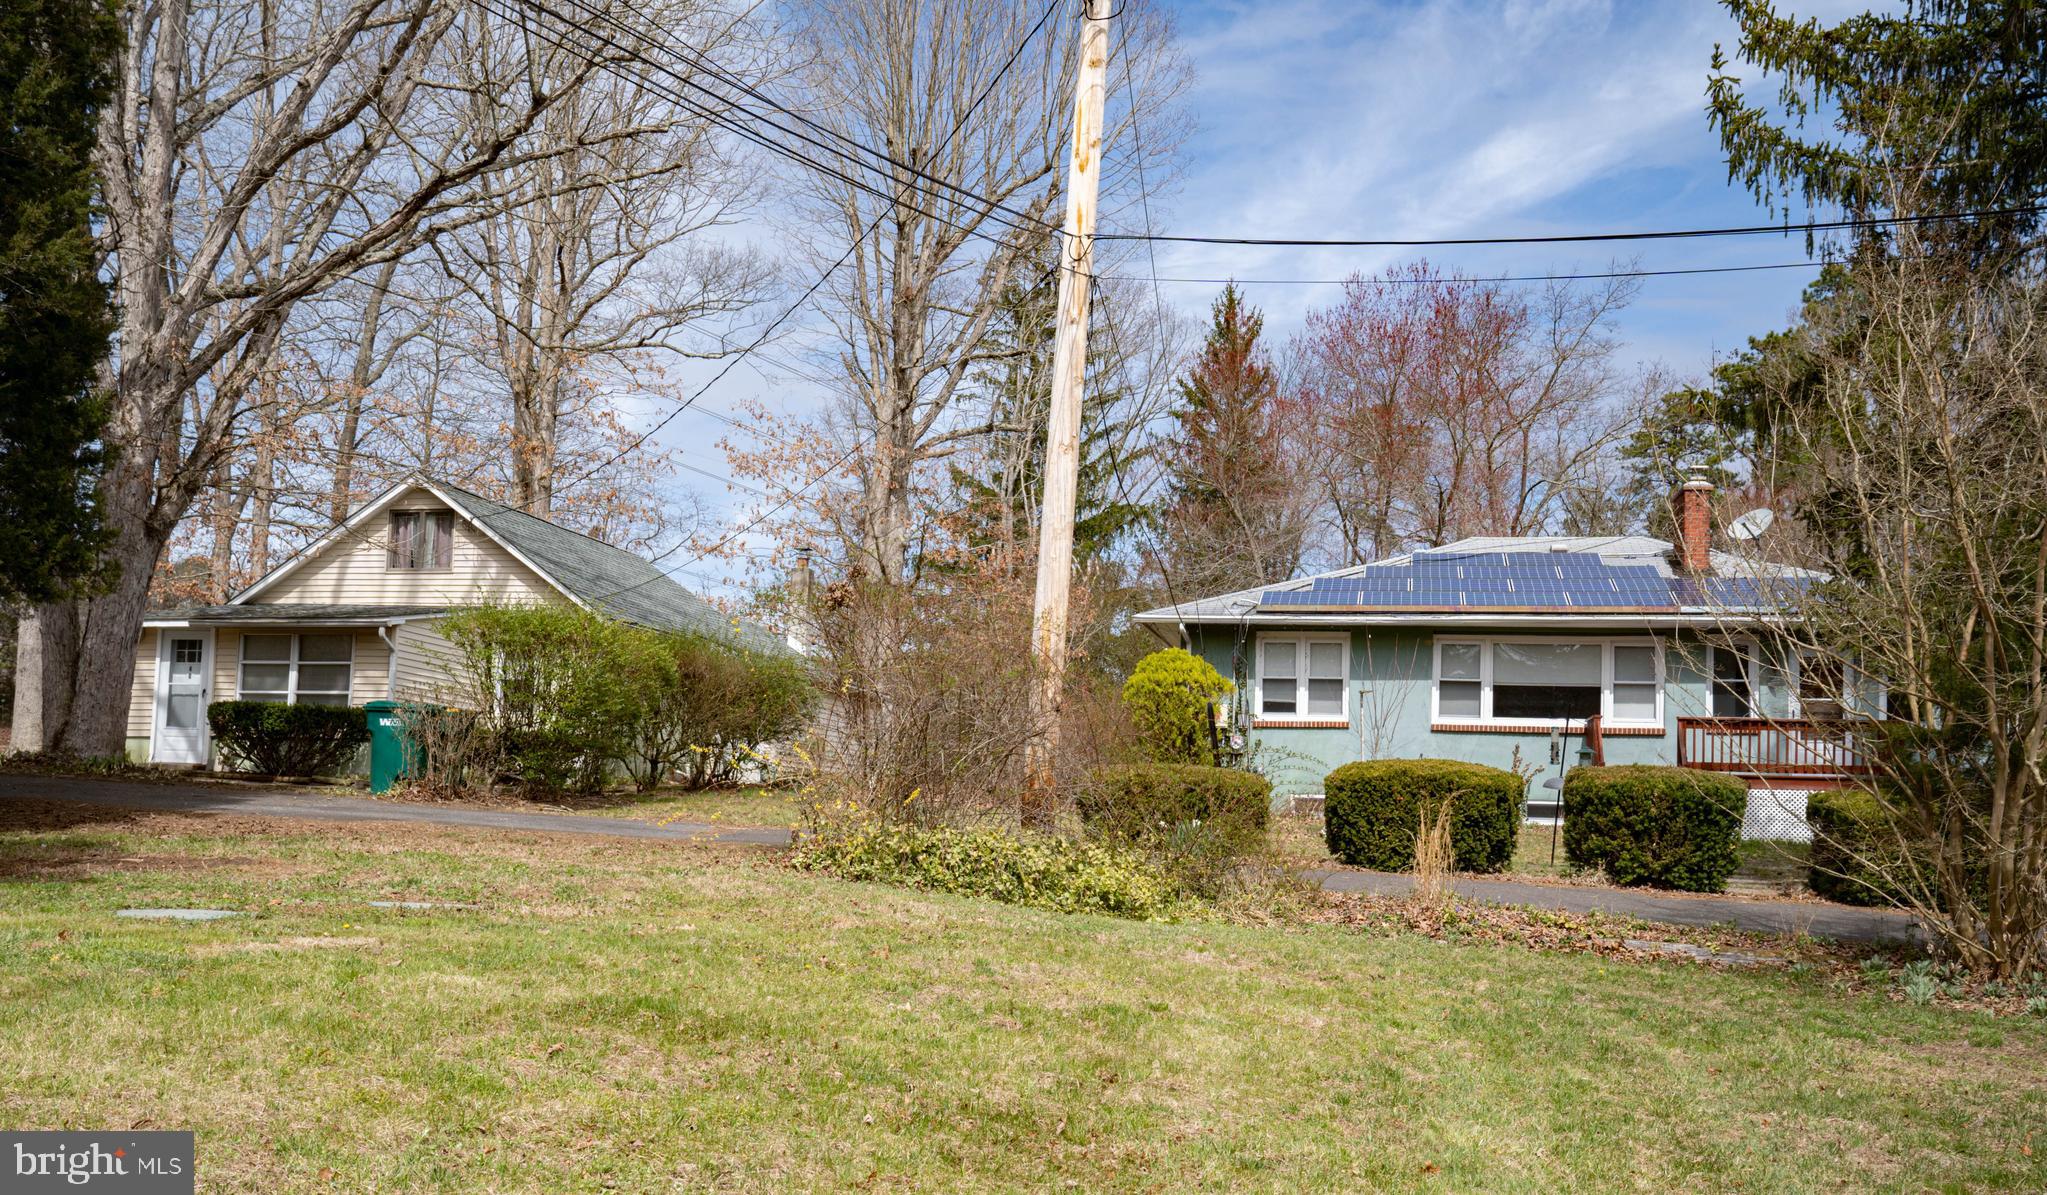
x=1521 y=581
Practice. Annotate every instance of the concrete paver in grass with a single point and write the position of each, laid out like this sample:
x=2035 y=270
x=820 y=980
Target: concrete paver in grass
x=176 y=914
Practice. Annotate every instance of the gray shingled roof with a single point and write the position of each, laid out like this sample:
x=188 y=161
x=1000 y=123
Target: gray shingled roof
x=608 y=579
x=292 y=612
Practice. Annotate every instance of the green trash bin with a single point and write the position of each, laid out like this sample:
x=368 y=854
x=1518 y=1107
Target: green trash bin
x=392 y=754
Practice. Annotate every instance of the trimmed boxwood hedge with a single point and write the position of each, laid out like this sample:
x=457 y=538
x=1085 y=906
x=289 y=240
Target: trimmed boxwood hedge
x=1138 y=804
x=1657 y=826
x=273 y=738
x=1859 y=857
x=1372 y=809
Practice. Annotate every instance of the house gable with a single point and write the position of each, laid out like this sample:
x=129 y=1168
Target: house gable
x=351 y=566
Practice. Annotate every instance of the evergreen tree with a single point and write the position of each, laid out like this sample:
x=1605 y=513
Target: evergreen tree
x=1002 y=499
x=1234 y=516
x=1946 y=93
x=57 y=62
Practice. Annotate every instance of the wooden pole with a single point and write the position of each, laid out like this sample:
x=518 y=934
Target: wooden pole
x=1062 y=426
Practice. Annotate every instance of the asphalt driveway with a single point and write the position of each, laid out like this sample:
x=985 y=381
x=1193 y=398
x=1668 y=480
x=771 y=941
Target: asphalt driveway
x=1761 y=915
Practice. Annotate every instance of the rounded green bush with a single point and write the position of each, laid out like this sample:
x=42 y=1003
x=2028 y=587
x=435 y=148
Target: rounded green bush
x=1168 y=696
x=1864 y=854
x=1372 y=809
x=1660 y=827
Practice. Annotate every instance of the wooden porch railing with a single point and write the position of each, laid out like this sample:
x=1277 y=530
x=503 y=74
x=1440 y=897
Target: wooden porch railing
x=1771 y=746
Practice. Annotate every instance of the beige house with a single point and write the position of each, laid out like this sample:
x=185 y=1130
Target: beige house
x=352 y=618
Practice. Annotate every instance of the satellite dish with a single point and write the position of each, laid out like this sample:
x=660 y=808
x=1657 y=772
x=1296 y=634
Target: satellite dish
x=1752 y=524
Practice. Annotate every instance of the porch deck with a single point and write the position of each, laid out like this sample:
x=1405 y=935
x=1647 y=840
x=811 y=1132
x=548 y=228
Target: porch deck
x=1809 y=751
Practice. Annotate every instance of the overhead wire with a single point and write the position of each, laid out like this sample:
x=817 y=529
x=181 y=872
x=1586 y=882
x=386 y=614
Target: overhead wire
x=1452 y=279
x=1809 y=226
x=701 y=61
x=958 y=126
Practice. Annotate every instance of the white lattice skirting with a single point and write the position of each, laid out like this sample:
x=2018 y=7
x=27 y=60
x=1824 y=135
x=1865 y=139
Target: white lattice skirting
x=1777 y=814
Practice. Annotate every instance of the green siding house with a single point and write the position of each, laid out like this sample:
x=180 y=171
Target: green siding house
x=1537 y=653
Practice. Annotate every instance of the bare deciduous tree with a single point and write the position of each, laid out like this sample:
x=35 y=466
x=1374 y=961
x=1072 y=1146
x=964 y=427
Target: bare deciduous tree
x=1442 y=407
x=253 y=157
x=1926 y=505
x=979 y=142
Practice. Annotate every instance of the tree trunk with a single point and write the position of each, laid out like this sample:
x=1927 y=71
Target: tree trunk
x=45 y=657
x=110 y=625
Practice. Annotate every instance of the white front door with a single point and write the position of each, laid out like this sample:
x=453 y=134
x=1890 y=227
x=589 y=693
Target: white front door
x=184 y=684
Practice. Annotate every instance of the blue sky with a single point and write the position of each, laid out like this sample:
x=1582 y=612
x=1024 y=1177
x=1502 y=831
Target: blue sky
x=1443 y=118
x=1452 y=118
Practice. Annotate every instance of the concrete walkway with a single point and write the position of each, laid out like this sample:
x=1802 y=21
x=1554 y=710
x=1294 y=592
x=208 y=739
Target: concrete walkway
x=1765 y=916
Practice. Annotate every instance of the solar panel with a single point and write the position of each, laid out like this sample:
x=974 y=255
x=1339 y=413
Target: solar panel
x=1511 y=581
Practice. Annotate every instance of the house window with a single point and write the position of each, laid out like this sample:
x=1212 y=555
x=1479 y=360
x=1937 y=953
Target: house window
x=297 y=669
x=1460 y=680
x=1304 y=676
x=1546 y=680
x=421 y=539
x=1515 y=680
x=1734 y=690
x=1822 y=685
x=1636 y=682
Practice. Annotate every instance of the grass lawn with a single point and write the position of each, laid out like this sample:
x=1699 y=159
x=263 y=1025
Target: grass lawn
x=645 y=1016
x=731 y=807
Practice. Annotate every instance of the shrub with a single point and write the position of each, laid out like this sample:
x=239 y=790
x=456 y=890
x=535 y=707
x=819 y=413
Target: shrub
x=1861 y=855
x=1199 y=823
x=1372 y=811
x=1043 y=871
x=704 y=706
x=1168 y=696
x=1137 y=805
x=276 y=739
x=549 y=691
x=1657 y=826
x=563 y=696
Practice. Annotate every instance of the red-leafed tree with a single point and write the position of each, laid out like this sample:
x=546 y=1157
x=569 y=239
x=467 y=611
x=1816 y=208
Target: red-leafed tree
x=1235 y=513
x=1437 y=407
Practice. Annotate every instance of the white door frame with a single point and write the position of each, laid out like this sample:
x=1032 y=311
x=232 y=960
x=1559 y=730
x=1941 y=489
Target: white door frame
x=160 y=706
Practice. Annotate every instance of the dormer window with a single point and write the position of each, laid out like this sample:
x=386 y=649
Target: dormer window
x=421 y=539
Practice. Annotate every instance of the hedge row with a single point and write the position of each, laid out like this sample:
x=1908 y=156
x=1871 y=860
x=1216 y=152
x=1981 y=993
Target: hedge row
x=276 y=739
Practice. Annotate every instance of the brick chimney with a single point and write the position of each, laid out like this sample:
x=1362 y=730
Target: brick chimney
x=801 y=582
x=1694 y=525
x=802 y=593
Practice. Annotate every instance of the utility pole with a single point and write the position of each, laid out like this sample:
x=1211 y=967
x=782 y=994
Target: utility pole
x=1062 y=427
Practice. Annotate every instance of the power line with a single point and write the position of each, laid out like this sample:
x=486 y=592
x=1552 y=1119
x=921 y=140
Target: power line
x=764 y=516
x=725 y=120
x=1579 y=237
x=699 y=60
x=852 y=248
x=1455 y=279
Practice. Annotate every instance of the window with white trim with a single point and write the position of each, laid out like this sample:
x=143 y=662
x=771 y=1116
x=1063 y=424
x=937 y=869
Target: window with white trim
x=313 y=669
x=1304 y=676
x=1516 y=680
x=1734 y=685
